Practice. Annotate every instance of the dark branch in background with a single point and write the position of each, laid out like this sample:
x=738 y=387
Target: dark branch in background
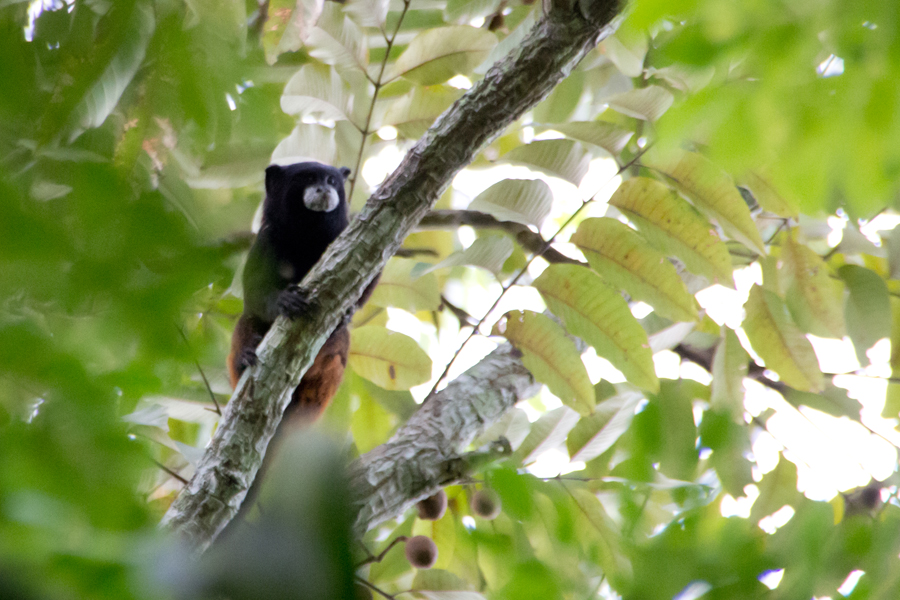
x=528 y=239
x=558 y=41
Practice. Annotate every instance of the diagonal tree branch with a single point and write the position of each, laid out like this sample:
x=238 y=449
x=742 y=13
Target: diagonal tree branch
x=559 y=40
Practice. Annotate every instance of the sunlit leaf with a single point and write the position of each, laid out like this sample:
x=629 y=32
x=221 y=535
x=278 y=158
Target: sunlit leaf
x=513 y=425
x=596 y=433
x=547 y=433
x=814 y=297
x=562 y=101
x=317 y=90
x=777 y=489
x=767 y=196
x=526 y=201
x=729 y=367
x=390 y=359
x=615 y=562
x=398 y=288
x=596 y=313
x=436 y=55
x=778 y=341
x=488 y=252
x=550 y=356
x=832 y=400
x=713 y=191
x=463 y=11
x=675 y=227
x=608 y=136
x=868 y=309
x=729 y=442
x=561 y=158
x=647 y=104
x=626 y=261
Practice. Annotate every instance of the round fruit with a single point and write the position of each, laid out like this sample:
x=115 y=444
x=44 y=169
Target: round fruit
x=421 y=552
x=434 y=507
x=486 y=504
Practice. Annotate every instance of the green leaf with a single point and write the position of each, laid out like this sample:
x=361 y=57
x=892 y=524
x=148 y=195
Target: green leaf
x=368 y=13
x=675 y=227
x=615 y=563
x=463 y=11
x=318 y=91
x=436 y=55
x=547 y=433
x=103 y=96
x=611 y=138
x=713 y=191
x=646 y=104
x=596 y=433
x=413 y=113
x=513 y=425
x=777 y=489
x=560 y=158
x=306 y=142
x=597 y=314
x=729 y=367
x=729 y=442
x=336 y=40
x=398 y=288
x=778 y=341
x=562 y=101
x=438 y=580
x=488 y=252
x=868 y=308
x=390 y=359
x=526 y=201
x=550 y=356
x=815 y=299
x=767 y=196
x=628 y=54
x=626 y=261
x=832 y=401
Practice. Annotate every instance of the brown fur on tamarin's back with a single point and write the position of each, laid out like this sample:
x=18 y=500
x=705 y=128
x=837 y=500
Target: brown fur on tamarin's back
x=304 y=211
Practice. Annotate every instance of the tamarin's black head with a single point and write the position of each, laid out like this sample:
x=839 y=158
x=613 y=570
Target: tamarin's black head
x=308 y=186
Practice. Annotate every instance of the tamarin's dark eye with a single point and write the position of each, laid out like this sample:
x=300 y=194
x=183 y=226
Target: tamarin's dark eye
x=332 y=181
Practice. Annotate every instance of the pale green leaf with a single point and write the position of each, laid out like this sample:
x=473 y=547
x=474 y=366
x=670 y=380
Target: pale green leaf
x=550 y=356
x=675 y=227
x=438 y=580
x=608 y=136
x=103 y=96
x=684 y=78
x=368 y=13
x=513 y=425
x=627 y=55
x=767 y=196
x=596 y=313
x=868 y=308
x=815 y=299
x=488 y=252
x=832 y=401
x=390 y=359
x=778 y=341
x=559 y=105
x=413 y=113
x=561 y=158
x=338 y=41
x=713 y=191
x=318 y=91
x=626 y=261
x=463 y=11
x=615 y=563
x=596 y=433
x=777 y=489
x=526 y=201
x=647 y=104
x=306 y=142
x=398 y=288
x=547 y=433
x=729 y=367
x=436 y=55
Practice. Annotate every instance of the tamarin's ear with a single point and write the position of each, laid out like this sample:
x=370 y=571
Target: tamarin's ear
x=345 y=172
x=274 y=175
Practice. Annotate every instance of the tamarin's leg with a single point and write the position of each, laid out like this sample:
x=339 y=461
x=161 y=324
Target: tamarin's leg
x=322 y=380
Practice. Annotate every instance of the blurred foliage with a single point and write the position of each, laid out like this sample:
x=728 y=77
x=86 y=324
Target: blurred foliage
x=133 y=138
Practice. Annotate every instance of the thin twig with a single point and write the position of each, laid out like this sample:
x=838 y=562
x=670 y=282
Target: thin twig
x=374 y=559
x=212 y=395
x=373 y=587
x=378 y=85
x=169 y=471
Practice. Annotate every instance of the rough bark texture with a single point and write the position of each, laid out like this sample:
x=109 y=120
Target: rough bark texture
x=513 y=85
x=425 y=454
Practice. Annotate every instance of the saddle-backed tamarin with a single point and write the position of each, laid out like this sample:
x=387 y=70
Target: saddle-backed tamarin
x=305 y=209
